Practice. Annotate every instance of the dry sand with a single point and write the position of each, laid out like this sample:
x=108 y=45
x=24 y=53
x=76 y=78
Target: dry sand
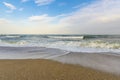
x=48 y=70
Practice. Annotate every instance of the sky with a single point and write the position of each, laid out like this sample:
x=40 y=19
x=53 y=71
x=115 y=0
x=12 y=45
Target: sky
x=59 y=16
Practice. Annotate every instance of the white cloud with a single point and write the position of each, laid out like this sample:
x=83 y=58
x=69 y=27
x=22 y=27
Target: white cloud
x=43 y=2
x=43 y=24
x=80 y=5
x=10 y=6
x=101 y=17
x=41 y=18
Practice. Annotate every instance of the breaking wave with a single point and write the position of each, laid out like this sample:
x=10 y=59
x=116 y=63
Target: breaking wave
x=77 y=43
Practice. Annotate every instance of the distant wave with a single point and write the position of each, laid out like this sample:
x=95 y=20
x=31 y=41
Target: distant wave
x=80 y=37
x=9 y=36
x=12 y=36
x=67 y=37
x=100 y=36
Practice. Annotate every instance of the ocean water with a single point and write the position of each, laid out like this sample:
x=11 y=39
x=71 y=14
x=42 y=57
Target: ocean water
x=74 y=43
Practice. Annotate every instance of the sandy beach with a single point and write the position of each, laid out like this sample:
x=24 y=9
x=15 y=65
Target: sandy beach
x=48 y=70
x=39 y=63
x=59 y=39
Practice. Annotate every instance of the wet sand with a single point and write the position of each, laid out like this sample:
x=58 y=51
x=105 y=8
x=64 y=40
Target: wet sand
x=106 y=62
x=41 y=69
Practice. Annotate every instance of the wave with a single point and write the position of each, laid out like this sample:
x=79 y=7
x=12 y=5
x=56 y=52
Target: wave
x=82 y=37
x=101 y=44
x=10 y=36
x=100 y=36
x=67 y=37
x=62 y=36
x=70 y=43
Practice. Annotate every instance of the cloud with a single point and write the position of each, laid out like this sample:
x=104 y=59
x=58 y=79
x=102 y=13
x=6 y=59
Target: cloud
x=43 y=2
x=42 y=18
x=80 y=5
x=100 y=17
x=10 y=6
x=43 y=24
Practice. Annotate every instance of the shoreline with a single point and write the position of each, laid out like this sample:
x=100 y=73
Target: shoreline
x=106 y=62
x=100 y=61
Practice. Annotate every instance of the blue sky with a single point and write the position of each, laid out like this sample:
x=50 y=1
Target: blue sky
x=54 y=16
x=29 y=7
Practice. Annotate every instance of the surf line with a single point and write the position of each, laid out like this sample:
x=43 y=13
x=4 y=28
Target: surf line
x=57 y=55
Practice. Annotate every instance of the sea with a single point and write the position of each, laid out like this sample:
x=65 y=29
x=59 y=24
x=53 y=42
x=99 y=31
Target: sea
x=71 y=43
x=100 y=52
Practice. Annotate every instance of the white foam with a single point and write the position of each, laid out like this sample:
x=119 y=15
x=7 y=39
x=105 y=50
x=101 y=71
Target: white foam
x=12 y=36
x=68 y=37
x=79 y=45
